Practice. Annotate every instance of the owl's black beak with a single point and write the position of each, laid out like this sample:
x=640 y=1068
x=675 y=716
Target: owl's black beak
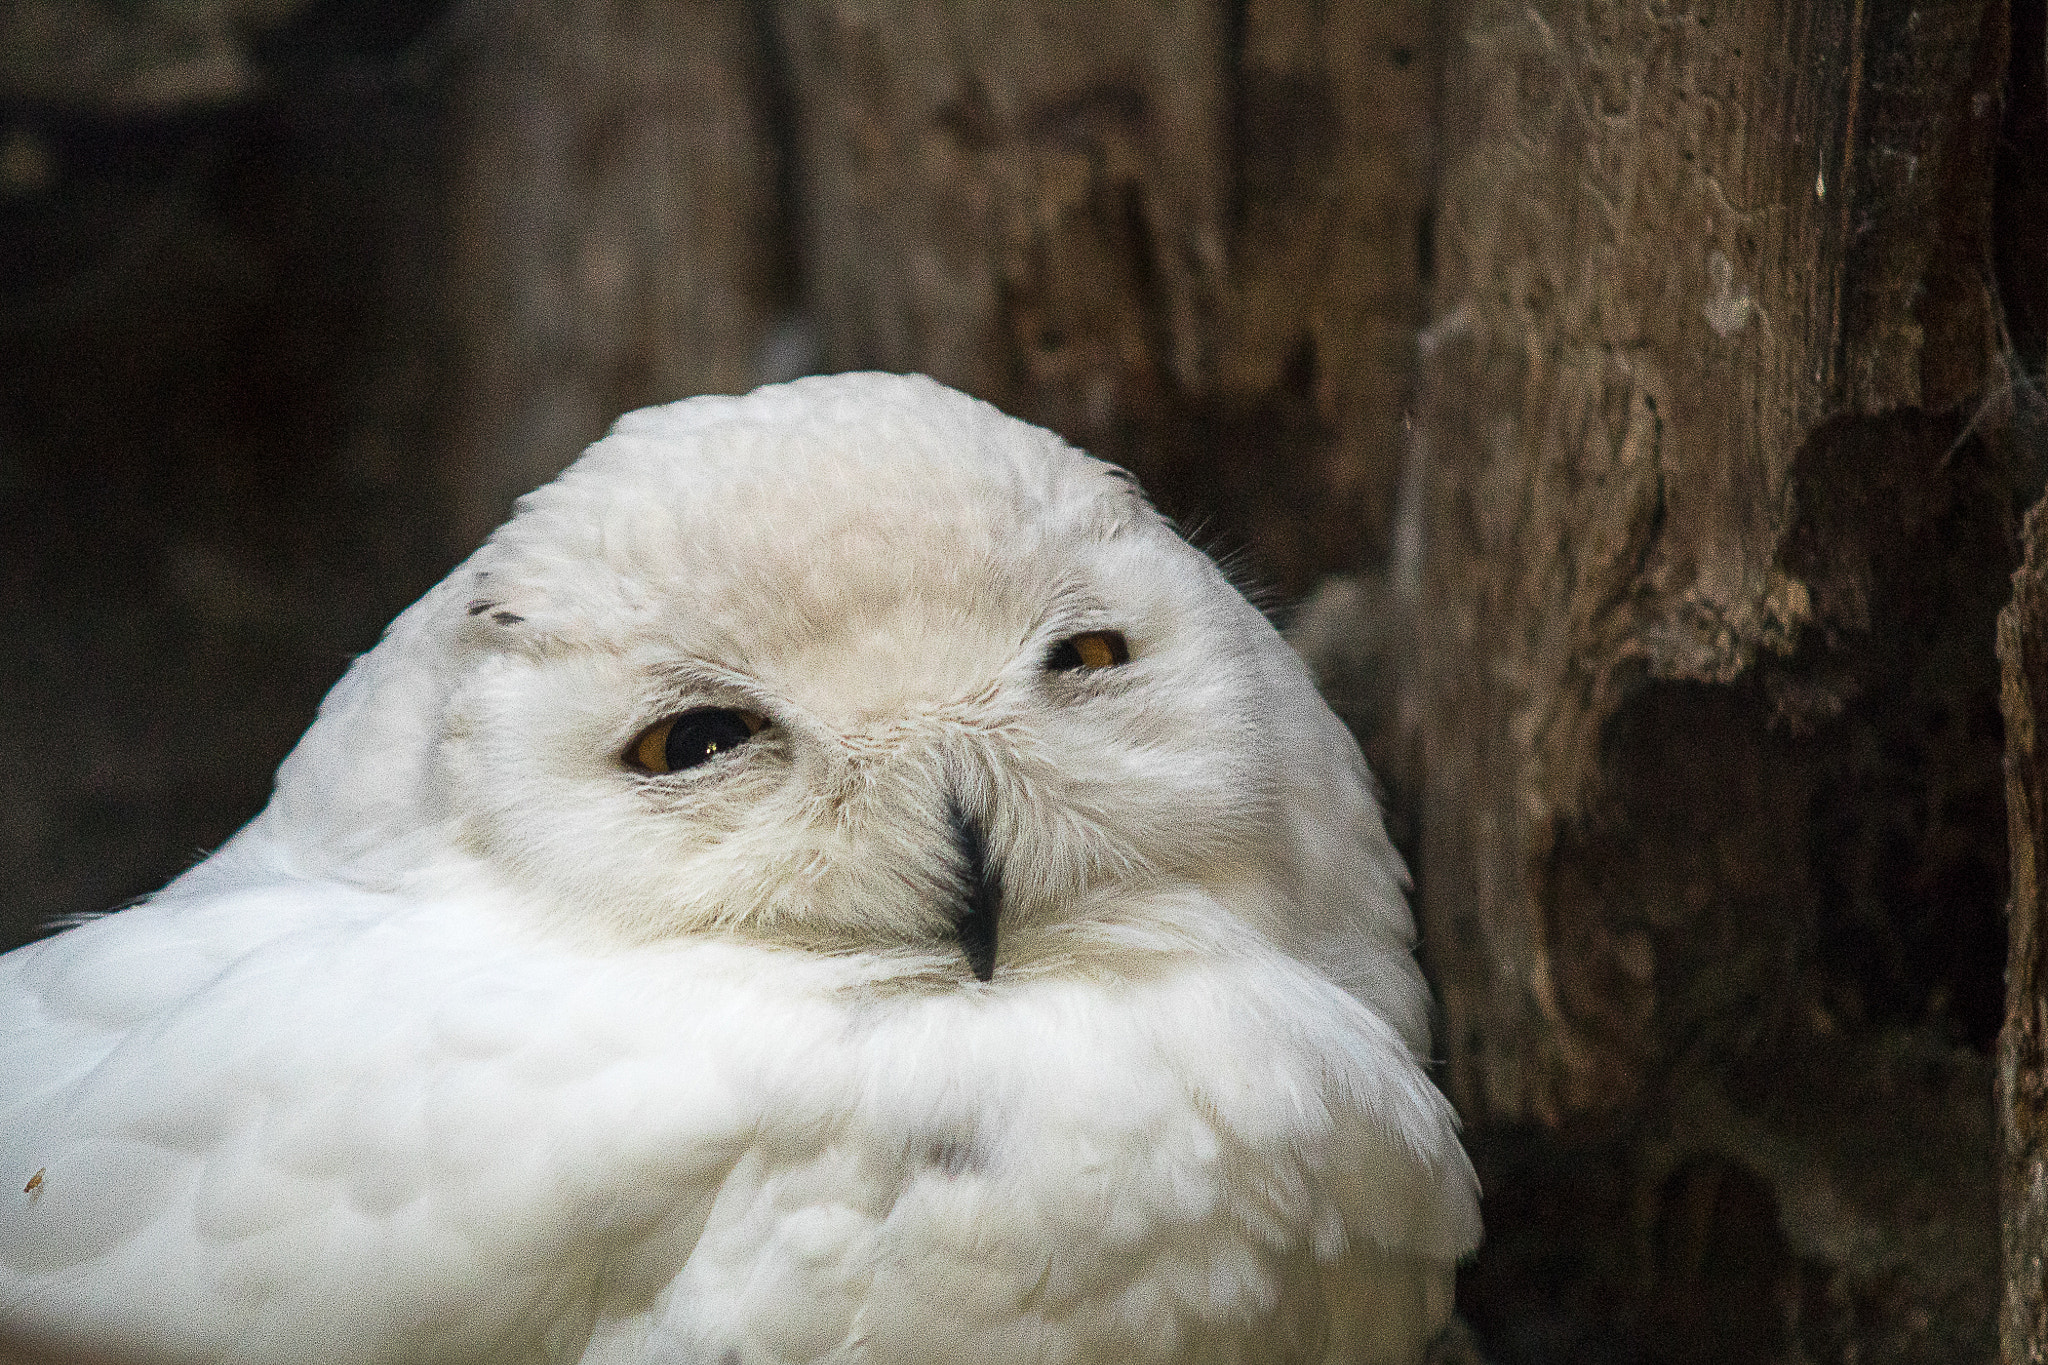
x=981 y=893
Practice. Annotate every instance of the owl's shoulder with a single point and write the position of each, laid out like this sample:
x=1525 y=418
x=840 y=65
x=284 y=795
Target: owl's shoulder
x=287 y=1112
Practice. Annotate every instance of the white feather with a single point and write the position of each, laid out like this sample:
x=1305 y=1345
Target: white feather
x=479 y=1045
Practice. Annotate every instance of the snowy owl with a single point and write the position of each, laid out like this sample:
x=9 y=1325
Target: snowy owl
x=834 y=878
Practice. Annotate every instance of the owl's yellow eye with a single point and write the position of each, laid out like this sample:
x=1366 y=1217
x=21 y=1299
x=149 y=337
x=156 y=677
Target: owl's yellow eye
x=694 y=737
x=1096 y=649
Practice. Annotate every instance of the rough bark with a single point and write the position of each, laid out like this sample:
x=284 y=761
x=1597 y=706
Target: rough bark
x=1664 y=329
x=617 y=230
x=2023 y=1043
x=1184 y=235
x=1714 y=552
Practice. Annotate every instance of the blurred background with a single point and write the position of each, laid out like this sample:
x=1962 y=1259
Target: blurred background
x=1631 y=409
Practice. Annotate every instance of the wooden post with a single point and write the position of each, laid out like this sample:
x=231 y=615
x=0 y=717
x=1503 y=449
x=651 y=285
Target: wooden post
x=2023 y=1044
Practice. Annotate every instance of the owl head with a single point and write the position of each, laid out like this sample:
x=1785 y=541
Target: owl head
x=855 y=664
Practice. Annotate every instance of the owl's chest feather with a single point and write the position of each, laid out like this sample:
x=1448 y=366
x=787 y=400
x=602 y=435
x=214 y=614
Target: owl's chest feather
x=453 y=1134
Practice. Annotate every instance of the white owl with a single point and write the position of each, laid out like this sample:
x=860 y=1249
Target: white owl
x=835 y=878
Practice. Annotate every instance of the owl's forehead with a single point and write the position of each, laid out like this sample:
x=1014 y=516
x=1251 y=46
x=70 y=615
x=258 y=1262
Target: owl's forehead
x=828 y=558
x=790 y=538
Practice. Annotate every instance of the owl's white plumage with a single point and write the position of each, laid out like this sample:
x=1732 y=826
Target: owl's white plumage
x=482 y=1044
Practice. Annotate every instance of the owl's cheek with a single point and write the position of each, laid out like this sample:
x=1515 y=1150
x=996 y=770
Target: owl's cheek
x=527 y=767
x=1180 y=806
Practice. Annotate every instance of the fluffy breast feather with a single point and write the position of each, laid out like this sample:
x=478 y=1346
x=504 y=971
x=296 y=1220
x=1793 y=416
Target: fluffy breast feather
x=283 y=1124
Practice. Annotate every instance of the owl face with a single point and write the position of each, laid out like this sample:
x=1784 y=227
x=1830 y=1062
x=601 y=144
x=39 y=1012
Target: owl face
x=870 y=666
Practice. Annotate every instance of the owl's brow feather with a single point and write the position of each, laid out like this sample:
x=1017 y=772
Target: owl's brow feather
x=1074 y=605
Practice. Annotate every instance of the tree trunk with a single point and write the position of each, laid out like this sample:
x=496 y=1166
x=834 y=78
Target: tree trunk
x=616 y=226
x=1710 y=870
x=1187 y=236
x=2023 y=1045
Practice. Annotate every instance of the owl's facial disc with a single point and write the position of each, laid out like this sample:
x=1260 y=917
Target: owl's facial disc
x=985 y=702
x=980 y=895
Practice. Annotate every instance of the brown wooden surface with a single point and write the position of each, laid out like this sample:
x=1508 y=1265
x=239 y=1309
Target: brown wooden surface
x=1186 y=236
x=1715 y=543
x=2023 y=1044
x=1688 y=264
x=616 y=231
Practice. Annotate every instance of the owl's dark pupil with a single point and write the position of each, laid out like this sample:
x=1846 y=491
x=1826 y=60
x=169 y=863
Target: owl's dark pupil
x=698 y=735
